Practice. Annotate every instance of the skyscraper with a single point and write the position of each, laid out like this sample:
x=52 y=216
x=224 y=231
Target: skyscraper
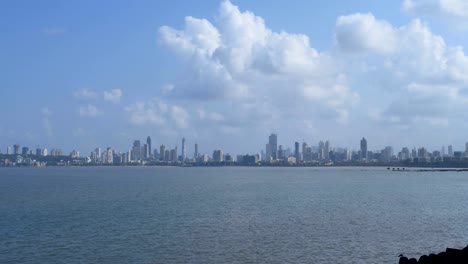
x=148 y=142
x=16 y=149
x=146 y=152
x=327 y=150
x=450 y=151
x=363 y=149
x=136 y=151
x=183 y=149
x=162 y=153
x=321 y=150
x=8 y=151
x=273 y=141
x=296 y=152
x=195 y=154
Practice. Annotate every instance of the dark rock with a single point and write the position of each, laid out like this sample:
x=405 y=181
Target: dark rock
x=403 y=260
x=413 y=261
x=424 y=259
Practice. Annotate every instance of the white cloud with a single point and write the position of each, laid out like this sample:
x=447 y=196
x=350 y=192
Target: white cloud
x=89 y=111
x=239 y=60
x=113 y=95
x=442 y=8
x=86 y=94
x=156 y=112
x=424 y=79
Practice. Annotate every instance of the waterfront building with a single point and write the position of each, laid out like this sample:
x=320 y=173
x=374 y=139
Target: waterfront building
x=16 y=149
x=146 y=152
x=218 y=155
x=25 y=151
x=8 y=151
x=321 y=150
x=183 y=149
x=268 y=155
x=162 y=151
x=75 y=154
x=363 y=149
x=327 y=150
x=296 y=152
x=38 y=152
x=195 y=154
x=136 y=150
x=148 y=142
x=272 y=147
x=450 y=151
x=167 y=155
x=45 y=152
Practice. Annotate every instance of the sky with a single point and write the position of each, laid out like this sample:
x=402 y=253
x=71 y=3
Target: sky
x=226 y=74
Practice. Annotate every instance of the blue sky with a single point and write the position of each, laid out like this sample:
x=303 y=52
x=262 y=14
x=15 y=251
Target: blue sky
x=83 y=74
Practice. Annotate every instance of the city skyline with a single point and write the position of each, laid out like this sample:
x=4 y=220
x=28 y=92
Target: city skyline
x=226 y=73
x=319 y=151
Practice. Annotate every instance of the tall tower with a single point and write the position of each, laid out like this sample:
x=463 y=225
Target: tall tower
x=273 y=142
x=136 y=150
x=450 y=151
x=16 y=149
x=296 y=152
x=148 y=141
x=327 y=150
x=162 y=153
x=195 y=155
x=183 y=149
x=363 y=148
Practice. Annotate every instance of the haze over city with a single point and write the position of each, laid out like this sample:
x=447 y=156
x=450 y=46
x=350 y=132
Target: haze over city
x=226 y=74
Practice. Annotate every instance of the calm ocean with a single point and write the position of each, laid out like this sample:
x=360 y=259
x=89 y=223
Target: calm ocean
x=228 y=215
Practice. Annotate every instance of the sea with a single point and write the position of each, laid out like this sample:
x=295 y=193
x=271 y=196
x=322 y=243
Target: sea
x=228 y=214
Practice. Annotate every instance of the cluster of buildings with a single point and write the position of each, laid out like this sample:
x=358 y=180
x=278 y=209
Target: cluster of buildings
x=323 y=153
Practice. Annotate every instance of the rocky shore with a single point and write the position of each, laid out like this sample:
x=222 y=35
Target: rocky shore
x=449 y=256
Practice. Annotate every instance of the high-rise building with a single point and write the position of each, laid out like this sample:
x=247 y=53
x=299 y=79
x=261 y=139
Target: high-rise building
x=296 y=152
x=327 y=150
x=150 y=150
x=146 y=152
x=218 y=155
x=443 y=151
x=268 y=155
x=167 y=155
x=450 y=151
x=24 y=151
x=8 y=151
x=304 y=146
x=16 y=149
x=162 y=151
x=364 y=149
x=195 y=154
x=98 y=154
x=183 y=149
x=321 y=150
x=173 y=154
x=45 y=152
x=38 y=152
x=273 y=142
x=136 y=151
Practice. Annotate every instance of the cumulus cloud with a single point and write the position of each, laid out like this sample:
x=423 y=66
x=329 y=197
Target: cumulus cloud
x=89 y=111
x=239 y=60
x=159 y=113
x=113 y=95
x=416 y=67
x=442 y=8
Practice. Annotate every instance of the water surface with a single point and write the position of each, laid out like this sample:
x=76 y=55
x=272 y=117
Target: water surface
x=228 y=215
